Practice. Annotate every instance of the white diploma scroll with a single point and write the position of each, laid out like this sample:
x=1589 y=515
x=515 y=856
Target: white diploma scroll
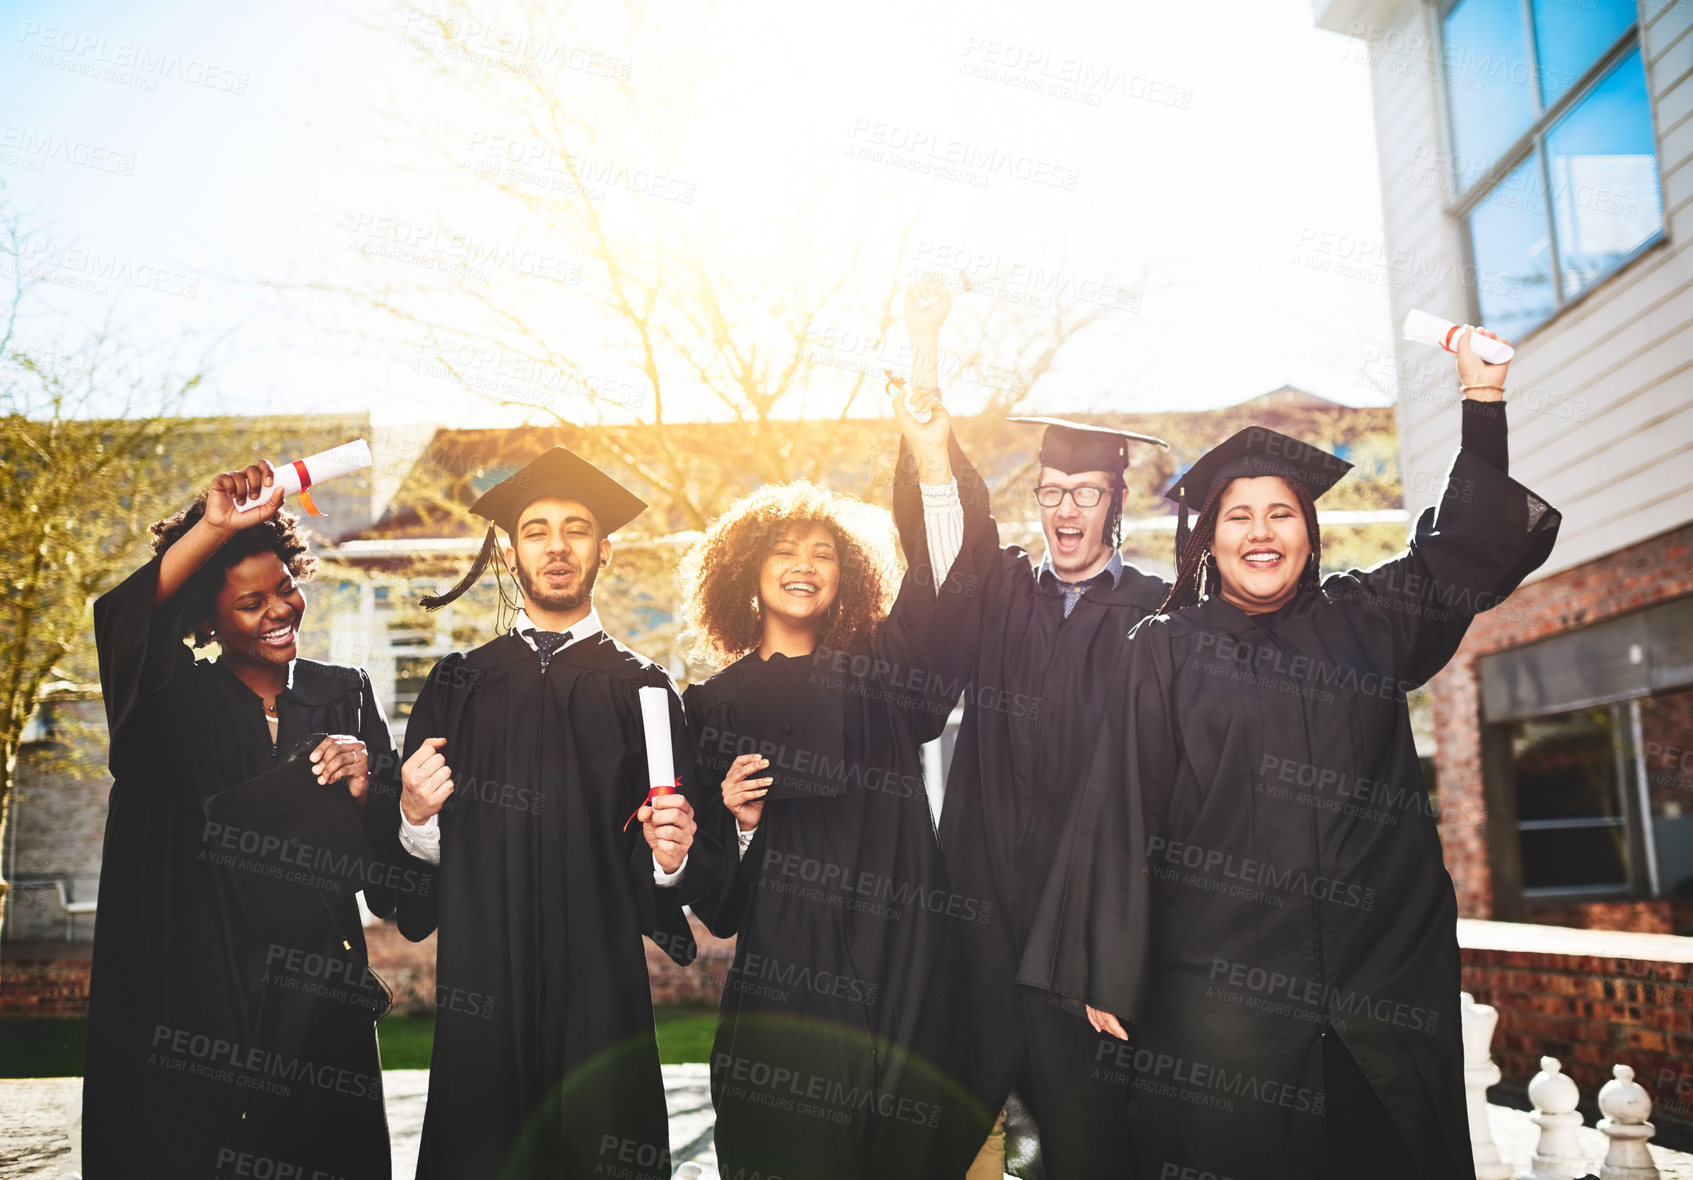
x=1431 y=329
x=298 y=477
x=655 y=719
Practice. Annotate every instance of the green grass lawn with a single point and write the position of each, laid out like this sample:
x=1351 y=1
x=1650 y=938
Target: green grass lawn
x=53 y=1048
x=40 y=1048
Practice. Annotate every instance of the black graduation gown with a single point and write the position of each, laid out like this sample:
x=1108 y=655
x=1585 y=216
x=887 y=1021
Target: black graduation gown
x=221 y=1038
x=545 y=1060
x=838 y=1044
x=1254 y=867
x=1040 y=686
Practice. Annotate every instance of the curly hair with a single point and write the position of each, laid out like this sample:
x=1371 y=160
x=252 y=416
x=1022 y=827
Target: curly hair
x=720 y=572
x=280 y=535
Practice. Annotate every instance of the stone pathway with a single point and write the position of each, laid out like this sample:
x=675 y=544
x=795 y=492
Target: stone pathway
x=34 y=1121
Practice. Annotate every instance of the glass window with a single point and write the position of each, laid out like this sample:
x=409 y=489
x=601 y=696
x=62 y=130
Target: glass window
x=1604 y=174
x=1523 y=77
x=1513 y=256
x=1666 y=746
x=1487 y=76
x=1570 y=35
x=1571 y=772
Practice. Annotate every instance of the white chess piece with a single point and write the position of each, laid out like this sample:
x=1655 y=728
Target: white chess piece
x=1626 y=1106
x=1554 y=1095
x=1479 y=1021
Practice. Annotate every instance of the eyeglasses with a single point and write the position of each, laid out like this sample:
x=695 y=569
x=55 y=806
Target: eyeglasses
x=1051 y=496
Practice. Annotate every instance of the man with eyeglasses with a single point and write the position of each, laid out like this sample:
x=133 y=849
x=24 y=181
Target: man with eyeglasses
x=1052 y=632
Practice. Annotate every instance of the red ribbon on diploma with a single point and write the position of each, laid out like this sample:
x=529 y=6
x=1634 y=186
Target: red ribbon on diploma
x=1450 y=332
x=661 y=789
x=306 y=500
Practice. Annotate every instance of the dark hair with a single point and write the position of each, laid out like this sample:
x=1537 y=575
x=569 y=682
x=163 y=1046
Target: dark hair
x=1114 y=514
x=720 y=573
x=280 y=535
x=1197 y=566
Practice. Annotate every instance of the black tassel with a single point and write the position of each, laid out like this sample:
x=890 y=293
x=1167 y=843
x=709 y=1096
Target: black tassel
x=1181 y=528
x=477 y=569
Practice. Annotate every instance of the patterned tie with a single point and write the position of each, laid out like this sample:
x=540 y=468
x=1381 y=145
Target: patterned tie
x=547 y=642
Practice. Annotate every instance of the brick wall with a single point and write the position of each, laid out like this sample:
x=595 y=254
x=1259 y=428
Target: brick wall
x=51 y=979
x=1653 y=571
x=1591 y=1012
x=43 y=981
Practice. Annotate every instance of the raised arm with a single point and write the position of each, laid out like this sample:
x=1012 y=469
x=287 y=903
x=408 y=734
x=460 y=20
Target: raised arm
x=1469 y=551
x=138 y=625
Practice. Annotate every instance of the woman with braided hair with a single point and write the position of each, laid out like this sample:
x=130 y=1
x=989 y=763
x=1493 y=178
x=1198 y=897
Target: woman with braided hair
x=836 y=1044
x=1251 y=894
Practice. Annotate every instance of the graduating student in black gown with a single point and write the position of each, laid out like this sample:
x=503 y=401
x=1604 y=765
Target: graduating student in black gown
x=524 y=762
x=1051 y=633
x=231 y=1009
x=837 y=1042
x=1252 y=879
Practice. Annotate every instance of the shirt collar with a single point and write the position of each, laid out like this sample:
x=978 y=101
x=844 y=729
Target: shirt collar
x=585 y=629
x=1114 y=567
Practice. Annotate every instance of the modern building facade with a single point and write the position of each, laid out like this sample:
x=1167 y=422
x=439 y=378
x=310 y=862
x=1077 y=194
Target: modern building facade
x=1536 y=165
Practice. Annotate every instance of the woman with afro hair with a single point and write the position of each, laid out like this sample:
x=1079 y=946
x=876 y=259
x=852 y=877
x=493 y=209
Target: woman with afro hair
x=836 y=1047
x=232 y=1012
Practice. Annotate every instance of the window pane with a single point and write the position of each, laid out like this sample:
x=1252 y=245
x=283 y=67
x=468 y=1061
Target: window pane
x=1512 y=249
x=1566 y=766
x=1568 y=858
x=1488 y=87
x=1666 y=730
x=1604 y=177
x=1570 y=35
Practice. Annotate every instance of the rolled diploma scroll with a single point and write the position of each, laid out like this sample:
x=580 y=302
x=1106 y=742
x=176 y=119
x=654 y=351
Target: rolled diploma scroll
x=655 y=719
x=1431 y=329
x=322 y=467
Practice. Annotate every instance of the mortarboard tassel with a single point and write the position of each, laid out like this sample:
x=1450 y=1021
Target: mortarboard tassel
x=477 y=568
x=1181 y=526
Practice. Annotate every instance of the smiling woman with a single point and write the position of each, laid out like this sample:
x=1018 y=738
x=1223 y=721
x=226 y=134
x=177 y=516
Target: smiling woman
x=845 y=918
x=228 y=947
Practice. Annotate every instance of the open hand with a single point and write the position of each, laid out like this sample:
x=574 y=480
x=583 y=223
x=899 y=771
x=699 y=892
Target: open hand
x=1104 y=1022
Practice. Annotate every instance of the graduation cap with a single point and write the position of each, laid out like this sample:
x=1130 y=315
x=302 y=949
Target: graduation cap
x=559 y=473
x=1252 y=452
x=293 y=845
x=1080 y=446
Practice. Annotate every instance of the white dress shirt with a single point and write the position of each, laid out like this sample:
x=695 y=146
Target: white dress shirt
x=424 y=840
